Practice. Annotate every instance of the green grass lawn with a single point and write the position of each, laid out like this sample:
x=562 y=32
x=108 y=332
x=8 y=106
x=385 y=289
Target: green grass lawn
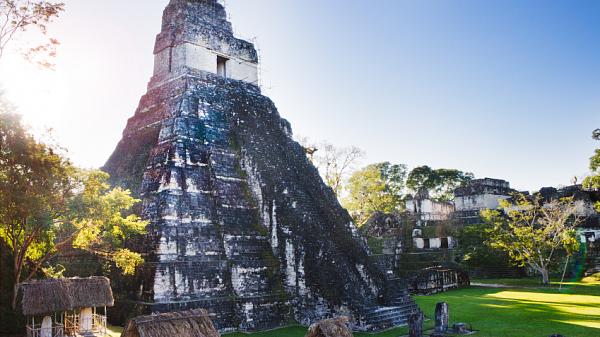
x=524 y=310
x=587 y=286
x=521 y=312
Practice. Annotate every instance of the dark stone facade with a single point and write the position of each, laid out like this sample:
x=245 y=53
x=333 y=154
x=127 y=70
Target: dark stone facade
x=240 y=221
x=483 y=186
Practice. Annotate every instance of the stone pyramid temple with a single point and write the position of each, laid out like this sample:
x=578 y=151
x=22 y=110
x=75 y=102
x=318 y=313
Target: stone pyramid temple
x=240 y=221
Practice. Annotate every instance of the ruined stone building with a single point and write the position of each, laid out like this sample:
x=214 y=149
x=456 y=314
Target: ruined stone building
x=480 y=194
x=427 y=208
x=421 y=242
x=240 y=221
x=424 y=236
x=432 y=217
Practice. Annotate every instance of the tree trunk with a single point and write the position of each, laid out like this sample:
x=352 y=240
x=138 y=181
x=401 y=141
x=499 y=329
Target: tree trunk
x=545 y=277
x=17 y=278
x=14 y=296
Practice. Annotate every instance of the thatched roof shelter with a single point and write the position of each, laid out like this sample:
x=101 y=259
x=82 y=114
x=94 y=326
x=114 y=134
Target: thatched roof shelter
x=42 y=297
x=191 y=323
x=337 y=327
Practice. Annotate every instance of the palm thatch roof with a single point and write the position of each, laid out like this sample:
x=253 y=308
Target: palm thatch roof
x=337 y=327
x=191 y=323
x=41 y=297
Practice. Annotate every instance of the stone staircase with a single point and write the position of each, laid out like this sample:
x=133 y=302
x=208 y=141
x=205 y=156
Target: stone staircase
x=398 y=307
x=381 y=318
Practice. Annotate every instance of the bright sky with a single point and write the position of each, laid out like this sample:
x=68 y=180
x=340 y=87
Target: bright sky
x=504 y=89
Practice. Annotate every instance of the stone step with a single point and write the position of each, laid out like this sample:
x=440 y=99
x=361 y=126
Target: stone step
x=392 y=312
x=386 y=321
x=401 y=302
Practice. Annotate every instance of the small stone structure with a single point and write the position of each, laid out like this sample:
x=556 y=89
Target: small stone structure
x=437 y=279
x=442 y=316
x=65 y=307
x=337 y=327
x=190 y=323
x=427 y=208
x=460 y=328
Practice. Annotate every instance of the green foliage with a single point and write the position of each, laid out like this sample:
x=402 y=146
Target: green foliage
x=394 y=176
x=377 y=187
x=438 y=229
x=375 y=244
x=593 y=181
x=126 y=260
x=96 y=222
x=54 y=271
x=47 y=206
x=422 y=178
x=476 y=252
x=441 y=183
x=532 y=232
x=35 y=184
x=595 y=161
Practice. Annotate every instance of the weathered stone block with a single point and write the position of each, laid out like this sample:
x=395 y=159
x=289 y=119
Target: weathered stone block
x=442 y=316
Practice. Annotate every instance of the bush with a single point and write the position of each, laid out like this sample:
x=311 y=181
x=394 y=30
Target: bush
x=475 y=253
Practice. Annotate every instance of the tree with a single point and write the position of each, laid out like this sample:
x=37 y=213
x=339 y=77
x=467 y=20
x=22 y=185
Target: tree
x=440 y=183
x=17 y=16
x=334 y=163
x=422 y=178
x=532 y=231
x=593 y=181
x=377 y=187
x=48 y=206
x=476 y=253
x=394 y=176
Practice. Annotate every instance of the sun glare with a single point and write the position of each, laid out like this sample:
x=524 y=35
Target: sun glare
x=41 y=95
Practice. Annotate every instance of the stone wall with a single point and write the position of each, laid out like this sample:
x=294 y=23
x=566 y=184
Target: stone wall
x=194 y=34
x=481 y=194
